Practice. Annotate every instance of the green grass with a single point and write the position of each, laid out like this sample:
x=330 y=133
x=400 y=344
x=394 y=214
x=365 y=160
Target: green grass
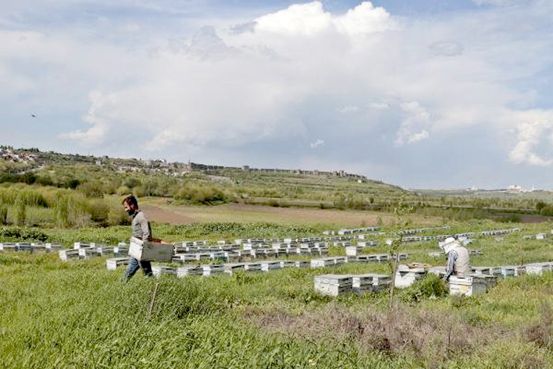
x=78 y=315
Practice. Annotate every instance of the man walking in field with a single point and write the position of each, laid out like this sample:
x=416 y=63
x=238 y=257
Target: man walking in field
x=140 y=229
x=458 y=262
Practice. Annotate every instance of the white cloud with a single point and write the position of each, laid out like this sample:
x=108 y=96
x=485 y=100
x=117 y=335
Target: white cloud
x=288 y=75
x=415 y=124
x=534 y=141
x=100 y=124
x=298 y=19
x=364 y=19
x=316 y=144
x=311 y=19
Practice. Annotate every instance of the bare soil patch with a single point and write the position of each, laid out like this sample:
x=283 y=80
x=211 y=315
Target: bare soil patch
x=174 y=214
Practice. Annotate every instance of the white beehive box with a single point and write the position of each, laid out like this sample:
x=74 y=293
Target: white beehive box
x=352 y=250
x=406 y=276
x=81 y=245
x=538 y=268
x=67 y=254
x=188 y=270
x=52 y=247
x=302 y=264
x=508 y=271
x=362 y=283
x=233 y=267
x=366 y=243
x=212 y=269
x=159 y=270
x=121 y=250
x=270 y=265
x=468 y=286
x=113 y=263
x=381 y=281
x=287 y=263
x=333 y=285
x=252 y=266
x=151 y=251
x=8 y=246
x=365 y=258
x=321 y=263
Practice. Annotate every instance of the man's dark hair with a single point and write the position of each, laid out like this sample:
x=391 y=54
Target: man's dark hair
x=130 y=200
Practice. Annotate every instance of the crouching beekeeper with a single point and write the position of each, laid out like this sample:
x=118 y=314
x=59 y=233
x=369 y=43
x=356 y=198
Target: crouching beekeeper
x=458 y=262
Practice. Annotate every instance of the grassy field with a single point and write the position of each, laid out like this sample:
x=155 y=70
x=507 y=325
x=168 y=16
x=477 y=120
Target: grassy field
x=79 y=315
x=162 y=211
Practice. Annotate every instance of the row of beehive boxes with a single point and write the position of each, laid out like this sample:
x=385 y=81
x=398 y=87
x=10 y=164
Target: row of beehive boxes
x=336 y=284
x=29 y=246
x=408 y=232
x=211 y=269
x=87 y=252
x=256 y=253
x=484 y=278
x=83 y=250
x=495 y=232
x=114 y=263
x=504 y=271
x=480 y=281
x=438 y=254
x=352 y=231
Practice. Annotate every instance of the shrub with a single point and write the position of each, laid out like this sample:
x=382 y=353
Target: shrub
x=98 y=211
x=195 y=194
x=22 y=234
x=123 y=190
x=71 y=183
x=427 y=287
x=117 y=217
x=131 y=183
x=91 y=189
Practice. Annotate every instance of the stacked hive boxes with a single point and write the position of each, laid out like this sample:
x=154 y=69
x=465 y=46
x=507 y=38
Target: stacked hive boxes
x=468 y=286
x=332 y=284
x=406 y=276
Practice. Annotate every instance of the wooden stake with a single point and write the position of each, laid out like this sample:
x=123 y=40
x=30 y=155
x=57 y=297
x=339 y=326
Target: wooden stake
x=152 y=301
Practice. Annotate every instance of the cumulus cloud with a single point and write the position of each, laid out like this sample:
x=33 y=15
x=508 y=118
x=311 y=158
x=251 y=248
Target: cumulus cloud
x=316 y=144
x=364 y=19
x=100 y=124
x=298 y=19
x=415 y=124
x=534 y=142
x=310 y=19
x=288 y=76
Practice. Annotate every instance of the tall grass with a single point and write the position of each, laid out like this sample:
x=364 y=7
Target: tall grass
x=30 y=205
x=80 y=315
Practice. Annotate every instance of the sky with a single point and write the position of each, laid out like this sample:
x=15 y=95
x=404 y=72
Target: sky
x=421 y=94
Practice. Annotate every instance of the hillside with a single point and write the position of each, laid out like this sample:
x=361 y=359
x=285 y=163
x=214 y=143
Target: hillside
x=288 y=187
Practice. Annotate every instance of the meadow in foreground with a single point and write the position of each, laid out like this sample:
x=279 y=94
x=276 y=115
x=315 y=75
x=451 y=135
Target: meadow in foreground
x=77 y=315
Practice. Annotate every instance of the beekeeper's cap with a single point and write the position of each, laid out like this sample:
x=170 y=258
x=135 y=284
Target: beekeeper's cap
x=447 y=244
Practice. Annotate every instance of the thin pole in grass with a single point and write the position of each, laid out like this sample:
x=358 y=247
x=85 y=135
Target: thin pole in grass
x=395 y=245
x=152 y=300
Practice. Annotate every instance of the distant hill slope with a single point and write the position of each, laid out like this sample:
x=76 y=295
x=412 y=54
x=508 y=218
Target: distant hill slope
x=187 y=181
